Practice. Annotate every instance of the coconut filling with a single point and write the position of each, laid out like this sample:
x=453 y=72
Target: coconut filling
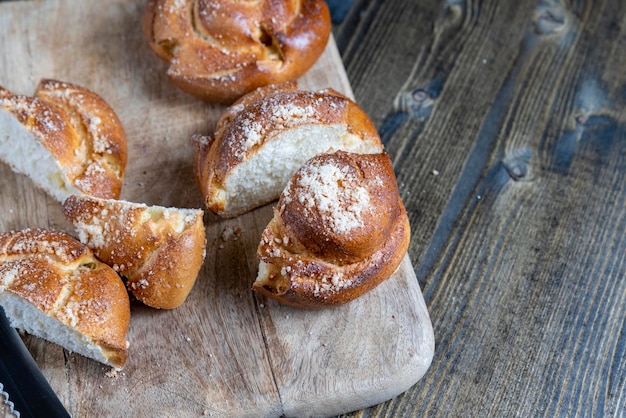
x=272 y=165
x=26 y=155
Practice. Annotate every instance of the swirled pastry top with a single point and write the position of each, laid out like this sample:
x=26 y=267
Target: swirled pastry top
x=159 y=250
x=339 y=230
x=220 y=50
x=52 y=286
x=66 y=138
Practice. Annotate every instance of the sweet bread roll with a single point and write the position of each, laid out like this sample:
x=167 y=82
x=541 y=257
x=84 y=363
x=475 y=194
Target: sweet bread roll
x=159 y=250
x=67 y=139
x=220 y=50
x=53 y=287
x=262 y=140
x=339 y=230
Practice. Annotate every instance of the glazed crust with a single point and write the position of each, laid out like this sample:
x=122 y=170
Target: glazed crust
x=336 y=233
x=103 y=143
x=79 y=129
x=264 y=115
x=159 y=250
x=221 y=50
x=63 y=279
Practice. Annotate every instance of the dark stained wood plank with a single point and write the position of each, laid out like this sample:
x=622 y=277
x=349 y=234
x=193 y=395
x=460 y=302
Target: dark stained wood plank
x=518 y=236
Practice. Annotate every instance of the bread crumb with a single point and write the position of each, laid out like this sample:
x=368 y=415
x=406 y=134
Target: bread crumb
x=231 y=233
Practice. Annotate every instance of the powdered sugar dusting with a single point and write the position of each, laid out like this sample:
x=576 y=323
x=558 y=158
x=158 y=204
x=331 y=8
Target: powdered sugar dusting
x=8 y=273
x=91 y=178
x=333 y=284
x=278 y=115
x=76 y=102
x=25 y=108
x=176 y=6
x=252 y=133
x=333 y=193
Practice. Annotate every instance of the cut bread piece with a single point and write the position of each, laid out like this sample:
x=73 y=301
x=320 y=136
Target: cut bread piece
x=338 y=231
x=53 y=287
x=67 y=139
x=159 y=250
x=263 y=139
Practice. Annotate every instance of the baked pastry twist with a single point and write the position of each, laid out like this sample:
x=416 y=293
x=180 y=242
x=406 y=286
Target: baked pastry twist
x=339 y=230
x=53 y=287
x=67 y=139
x=263 y=138
x=159 y=250
x=220 y=50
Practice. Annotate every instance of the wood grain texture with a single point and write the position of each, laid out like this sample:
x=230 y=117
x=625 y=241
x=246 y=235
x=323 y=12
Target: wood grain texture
x=507 y=123
x=225 y=351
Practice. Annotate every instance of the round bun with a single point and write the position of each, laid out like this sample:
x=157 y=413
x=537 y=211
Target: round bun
x=53 y=287
x=220 y=50
x=339 y=230
x=263 y=138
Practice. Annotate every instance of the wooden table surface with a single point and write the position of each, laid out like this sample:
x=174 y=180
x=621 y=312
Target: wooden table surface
x=506 y=121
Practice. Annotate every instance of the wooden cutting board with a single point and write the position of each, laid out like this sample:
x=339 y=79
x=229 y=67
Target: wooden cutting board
x=226 y=351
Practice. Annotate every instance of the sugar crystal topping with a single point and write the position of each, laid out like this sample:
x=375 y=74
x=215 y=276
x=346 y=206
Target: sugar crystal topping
x=277 y=115
x=333 y=192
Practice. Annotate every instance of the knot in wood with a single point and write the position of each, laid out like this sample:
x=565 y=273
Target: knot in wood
x=419 y=96
x=550 y=18
x=417 y=103
x=455 y=7
x=517 y=165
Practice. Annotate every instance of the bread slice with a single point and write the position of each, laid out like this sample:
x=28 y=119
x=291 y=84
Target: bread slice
x=263 y=139
x=67 y=139
x=53 y=287
x=159 y=250
x=338 y=231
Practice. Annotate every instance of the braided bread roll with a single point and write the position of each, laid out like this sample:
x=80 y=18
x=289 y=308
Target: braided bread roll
x=53 y=287
x=220 y=50
x=67 y=139
x=263 y=138
x=339 y=230
x=159 y=250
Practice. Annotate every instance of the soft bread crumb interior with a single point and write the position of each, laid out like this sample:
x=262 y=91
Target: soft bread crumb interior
x=177 y=219
x=26 y=155
x=27 y=317
x=272 y=279
x=267 y=172
x=262 y=278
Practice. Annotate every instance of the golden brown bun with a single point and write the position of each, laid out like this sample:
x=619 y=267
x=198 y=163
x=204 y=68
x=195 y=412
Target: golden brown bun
x=159 y=250
x=339 y=230
x=220 y=50
x=262 y=139
x=70 y=140
x=52 y=286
